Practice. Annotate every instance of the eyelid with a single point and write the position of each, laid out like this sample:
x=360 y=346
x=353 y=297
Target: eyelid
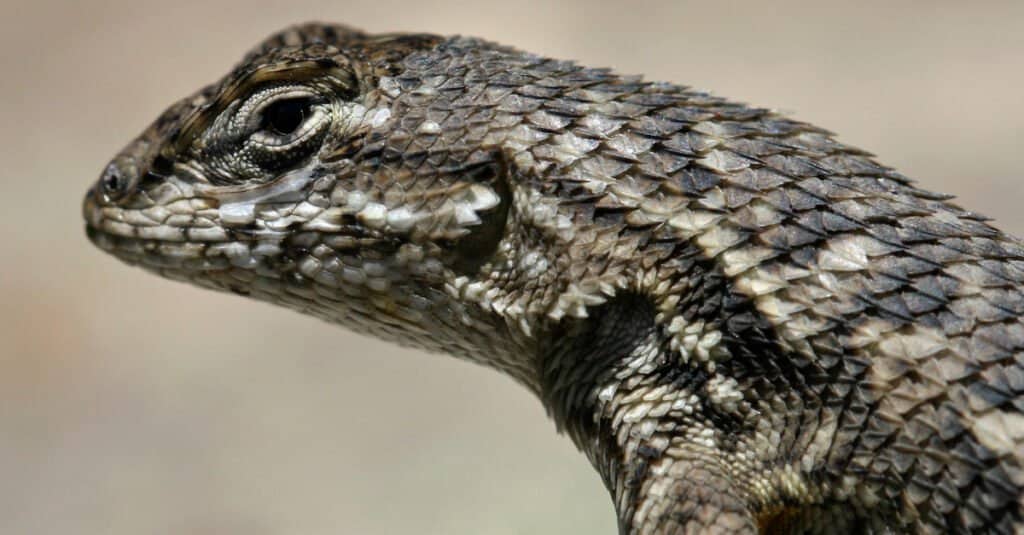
x=340 y=80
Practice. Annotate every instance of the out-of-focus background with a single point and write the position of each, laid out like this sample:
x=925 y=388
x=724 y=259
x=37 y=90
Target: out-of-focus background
x=130 y=404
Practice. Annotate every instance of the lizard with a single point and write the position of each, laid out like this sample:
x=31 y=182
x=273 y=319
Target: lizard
x=744 y=324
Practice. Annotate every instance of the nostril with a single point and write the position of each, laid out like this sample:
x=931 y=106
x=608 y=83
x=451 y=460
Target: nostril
x=114 y=182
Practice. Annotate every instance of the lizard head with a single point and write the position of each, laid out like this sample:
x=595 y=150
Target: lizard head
x=317 y=175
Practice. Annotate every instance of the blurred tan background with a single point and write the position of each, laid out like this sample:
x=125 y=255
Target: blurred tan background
x=130 y=404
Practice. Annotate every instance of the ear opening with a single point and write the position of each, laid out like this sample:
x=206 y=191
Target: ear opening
x=472 y=251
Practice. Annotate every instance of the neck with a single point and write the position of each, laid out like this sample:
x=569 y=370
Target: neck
x=608 y=382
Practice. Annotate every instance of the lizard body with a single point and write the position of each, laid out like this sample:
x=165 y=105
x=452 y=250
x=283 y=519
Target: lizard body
x=744 y=324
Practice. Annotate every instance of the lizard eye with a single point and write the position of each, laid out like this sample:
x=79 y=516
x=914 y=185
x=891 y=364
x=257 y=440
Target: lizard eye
x=283 y=117
x=284 y=125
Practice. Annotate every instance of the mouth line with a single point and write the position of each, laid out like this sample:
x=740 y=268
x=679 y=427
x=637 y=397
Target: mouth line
x=241 y=249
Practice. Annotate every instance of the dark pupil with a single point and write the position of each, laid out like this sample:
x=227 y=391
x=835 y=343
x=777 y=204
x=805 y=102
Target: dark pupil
x=285 y=116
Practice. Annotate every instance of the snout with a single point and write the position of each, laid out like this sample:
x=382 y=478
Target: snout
x=117 y=181
x=115 y=185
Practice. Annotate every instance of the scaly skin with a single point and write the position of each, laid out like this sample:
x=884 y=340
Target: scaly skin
x=746 y=325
